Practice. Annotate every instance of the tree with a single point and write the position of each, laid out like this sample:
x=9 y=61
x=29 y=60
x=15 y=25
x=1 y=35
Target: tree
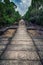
x=34 y=14
x=7 y=1
x=8 y=15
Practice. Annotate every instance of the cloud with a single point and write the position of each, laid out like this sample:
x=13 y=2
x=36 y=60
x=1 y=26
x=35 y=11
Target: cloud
x=26 y=2
x=22 y=5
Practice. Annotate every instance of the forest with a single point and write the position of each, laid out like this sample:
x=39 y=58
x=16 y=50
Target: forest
x=35 y=12
x=8 y=14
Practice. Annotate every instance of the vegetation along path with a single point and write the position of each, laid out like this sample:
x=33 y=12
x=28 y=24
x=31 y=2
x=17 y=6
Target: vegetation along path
x=20 y=50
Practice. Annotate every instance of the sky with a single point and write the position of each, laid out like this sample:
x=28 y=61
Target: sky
x=22 y=5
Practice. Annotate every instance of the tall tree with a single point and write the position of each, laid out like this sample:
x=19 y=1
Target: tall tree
x=7 y=1
x=34 y=13
x=8 y=15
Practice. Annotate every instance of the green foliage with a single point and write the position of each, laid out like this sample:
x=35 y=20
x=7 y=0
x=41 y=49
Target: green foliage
x=27 y=15
x=8 y=15
x=35 y=12
x=7 y=1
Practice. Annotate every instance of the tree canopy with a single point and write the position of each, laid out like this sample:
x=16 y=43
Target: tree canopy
x=35 y=12
x=8 y=15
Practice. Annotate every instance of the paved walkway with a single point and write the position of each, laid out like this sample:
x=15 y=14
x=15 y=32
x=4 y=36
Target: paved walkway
x=21 y=50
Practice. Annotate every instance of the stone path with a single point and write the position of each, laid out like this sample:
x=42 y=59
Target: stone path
x=21 y=50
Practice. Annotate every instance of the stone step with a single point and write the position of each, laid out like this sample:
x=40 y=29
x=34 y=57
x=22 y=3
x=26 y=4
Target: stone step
x=24 y=55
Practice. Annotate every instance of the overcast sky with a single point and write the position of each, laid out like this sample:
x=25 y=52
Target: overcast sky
x=22 y=5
